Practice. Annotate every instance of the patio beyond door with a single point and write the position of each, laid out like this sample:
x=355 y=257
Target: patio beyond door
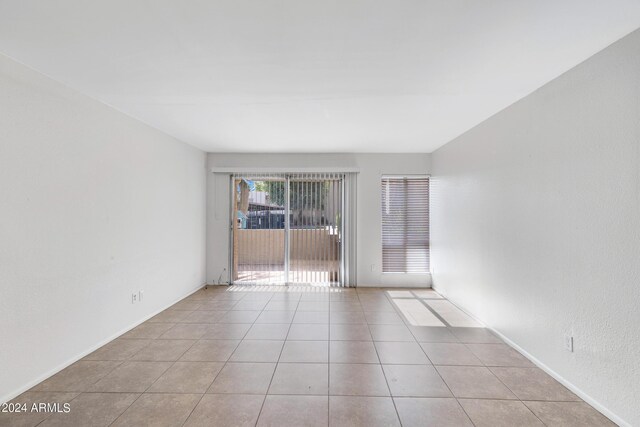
x=287 y=229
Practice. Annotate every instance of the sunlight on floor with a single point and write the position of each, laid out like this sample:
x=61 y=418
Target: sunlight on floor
x=288 y=288
x=452 y=314
x=420 y=307
x=426 y=307
x=416 y=313
x=427 y=294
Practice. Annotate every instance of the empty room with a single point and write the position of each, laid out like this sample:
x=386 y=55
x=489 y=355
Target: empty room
x=320 y=213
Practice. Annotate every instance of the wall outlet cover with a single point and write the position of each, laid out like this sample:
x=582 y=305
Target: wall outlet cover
x=568 y=343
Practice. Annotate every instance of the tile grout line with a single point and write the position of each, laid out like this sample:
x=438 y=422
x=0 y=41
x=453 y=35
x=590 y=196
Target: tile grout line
x=488 y=367
x=329 y=363
x=448 y=325
x=202 y=396
x=277 y=362
x=214 y=378
x=384 y=374
x=153 y=382
x=434 y=312
x=290 y=394
x=512 y=392
x=223 y=365
x=121 y=362
x=442 y=379
x=240 y=342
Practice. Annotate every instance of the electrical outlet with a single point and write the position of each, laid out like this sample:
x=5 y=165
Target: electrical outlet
x=134 y=298
x=140 y=295
x=568 y=343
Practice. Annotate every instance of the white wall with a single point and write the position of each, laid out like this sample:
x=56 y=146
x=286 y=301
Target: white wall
x=93 y=205
x=535 y=219
x=369 y=245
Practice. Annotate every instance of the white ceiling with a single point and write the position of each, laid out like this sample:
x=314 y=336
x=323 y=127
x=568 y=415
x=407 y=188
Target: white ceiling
x=310 y=76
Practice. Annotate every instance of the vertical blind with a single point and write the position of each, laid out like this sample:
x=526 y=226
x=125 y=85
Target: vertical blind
x=315 y=229
x=288 y=228
x=405 y=224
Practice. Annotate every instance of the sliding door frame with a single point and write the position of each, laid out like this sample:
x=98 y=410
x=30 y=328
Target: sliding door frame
x=345 y=234
x=287 y=228
x=232 y=227
x=342 y=232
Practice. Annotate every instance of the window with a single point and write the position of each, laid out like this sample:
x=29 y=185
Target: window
x=405 y=224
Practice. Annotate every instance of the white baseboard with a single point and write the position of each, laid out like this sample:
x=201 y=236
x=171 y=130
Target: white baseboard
x=577 y=391
x=359 y=285
x=74 y=359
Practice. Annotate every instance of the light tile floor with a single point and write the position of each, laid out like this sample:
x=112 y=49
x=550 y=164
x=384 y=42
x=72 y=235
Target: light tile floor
x=306 y=356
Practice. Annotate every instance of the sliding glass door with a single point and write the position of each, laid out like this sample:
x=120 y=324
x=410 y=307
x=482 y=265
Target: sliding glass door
x=287 y=229
x=258 y=244
x=315 y=204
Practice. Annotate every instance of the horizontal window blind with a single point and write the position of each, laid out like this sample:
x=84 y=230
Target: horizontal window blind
x=405 y=224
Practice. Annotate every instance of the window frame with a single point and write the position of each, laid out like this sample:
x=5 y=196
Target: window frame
x=427 y=245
